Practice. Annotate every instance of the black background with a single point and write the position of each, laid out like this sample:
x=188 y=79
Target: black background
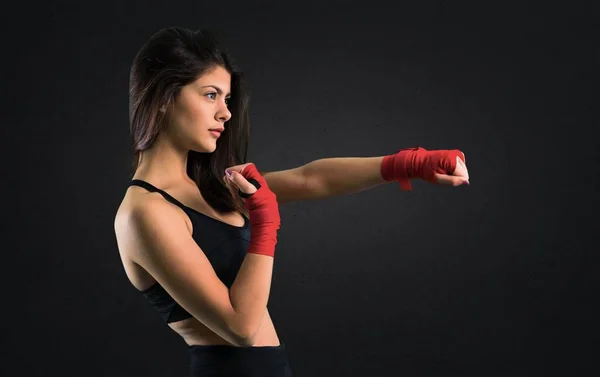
x=496 y=278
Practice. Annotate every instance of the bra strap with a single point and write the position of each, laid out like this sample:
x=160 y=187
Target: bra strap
x=152 y=188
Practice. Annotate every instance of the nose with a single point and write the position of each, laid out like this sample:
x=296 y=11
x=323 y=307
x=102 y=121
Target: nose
x=223 y=115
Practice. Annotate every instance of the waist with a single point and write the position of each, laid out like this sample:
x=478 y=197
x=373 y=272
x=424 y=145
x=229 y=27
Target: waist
x=195 y=333
x=201 y=349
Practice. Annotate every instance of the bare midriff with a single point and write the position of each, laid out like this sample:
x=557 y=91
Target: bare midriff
x=195 y=332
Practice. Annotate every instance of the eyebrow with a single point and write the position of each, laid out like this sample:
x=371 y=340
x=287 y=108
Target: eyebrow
x=219 y=90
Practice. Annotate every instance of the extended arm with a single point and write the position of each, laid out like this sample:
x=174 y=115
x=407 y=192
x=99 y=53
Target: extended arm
x=337 y=176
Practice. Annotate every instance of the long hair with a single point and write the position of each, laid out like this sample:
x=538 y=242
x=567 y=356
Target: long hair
x=173 y=58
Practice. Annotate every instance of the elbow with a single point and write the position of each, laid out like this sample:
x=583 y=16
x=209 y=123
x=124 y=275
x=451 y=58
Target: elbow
x=245 y=336
x=244 y=341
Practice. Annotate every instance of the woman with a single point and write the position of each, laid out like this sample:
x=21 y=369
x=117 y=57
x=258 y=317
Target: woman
x=183 y=227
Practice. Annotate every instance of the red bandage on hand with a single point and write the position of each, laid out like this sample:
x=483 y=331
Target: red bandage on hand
x=263 y=210
x=418 y=163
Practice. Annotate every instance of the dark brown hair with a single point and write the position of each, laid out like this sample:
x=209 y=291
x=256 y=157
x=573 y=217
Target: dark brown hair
x=173 y=58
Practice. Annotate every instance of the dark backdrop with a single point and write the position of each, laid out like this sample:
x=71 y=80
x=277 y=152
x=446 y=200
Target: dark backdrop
x=497 y=278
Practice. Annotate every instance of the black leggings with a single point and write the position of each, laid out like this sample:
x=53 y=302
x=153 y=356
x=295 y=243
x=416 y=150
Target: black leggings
x=231 y=361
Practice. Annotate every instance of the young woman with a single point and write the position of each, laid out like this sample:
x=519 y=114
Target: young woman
x=197 y=227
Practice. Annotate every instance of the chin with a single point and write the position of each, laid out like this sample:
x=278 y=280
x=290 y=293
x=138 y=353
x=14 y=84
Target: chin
x=205 y=148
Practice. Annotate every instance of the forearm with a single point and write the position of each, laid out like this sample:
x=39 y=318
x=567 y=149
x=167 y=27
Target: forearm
x=249 y=294
x=342 y=175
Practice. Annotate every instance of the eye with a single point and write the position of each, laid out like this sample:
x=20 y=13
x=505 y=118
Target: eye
x=215 y=97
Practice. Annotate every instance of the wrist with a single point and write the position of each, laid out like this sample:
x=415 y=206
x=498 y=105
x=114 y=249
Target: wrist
x=397 y=167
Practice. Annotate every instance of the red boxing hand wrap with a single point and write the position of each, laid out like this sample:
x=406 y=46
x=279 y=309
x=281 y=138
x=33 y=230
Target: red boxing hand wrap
x=418 y=162
x=264 y=215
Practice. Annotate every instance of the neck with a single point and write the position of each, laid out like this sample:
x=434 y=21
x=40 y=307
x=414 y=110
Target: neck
x=163 y=164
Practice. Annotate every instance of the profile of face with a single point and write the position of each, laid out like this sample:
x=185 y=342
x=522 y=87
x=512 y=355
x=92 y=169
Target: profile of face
x=199 y=109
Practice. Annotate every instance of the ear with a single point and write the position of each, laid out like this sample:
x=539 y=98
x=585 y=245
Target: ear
x=166 y=106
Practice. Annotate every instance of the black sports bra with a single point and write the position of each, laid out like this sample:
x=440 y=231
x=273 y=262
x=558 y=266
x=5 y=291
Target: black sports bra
x=225 y=247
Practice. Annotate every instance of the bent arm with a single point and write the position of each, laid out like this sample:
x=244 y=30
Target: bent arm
x=164 y=247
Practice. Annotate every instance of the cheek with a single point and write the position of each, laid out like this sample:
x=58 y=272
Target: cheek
x=192 y=113
x=198 y=110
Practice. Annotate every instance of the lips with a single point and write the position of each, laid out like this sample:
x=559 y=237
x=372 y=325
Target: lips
x=217 y=131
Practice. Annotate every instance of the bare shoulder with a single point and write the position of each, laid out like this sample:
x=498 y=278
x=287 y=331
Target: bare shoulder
x=139 y=214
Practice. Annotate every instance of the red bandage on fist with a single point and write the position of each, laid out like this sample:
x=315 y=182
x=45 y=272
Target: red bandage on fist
x=264 y=214
x=418 y=163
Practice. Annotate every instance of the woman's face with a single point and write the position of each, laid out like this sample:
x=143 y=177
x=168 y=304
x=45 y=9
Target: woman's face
x=200 y=107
